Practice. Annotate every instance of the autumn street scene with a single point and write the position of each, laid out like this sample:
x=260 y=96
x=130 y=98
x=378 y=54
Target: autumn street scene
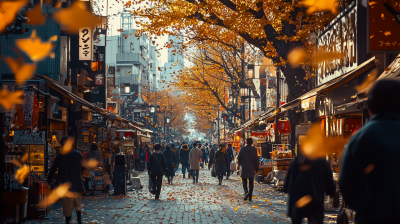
x=199 y=111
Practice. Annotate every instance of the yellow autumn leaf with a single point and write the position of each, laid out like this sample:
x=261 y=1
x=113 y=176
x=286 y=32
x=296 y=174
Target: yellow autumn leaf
x=368 y=82
x=369 y=168
x=9 y=99
x=67 y=148
x=296 y=57
x=22 y=71
x=303 y=201
x=90 y=164
x=72 y=22
x=8 y=10
x=320 y=5
x=35 y=16
x=35 y=48
x=236 y=208
x=22 y=173
x=56 y=194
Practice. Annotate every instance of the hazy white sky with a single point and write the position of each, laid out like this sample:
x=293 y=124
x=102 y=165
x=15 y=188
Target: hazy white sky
x=114 y=8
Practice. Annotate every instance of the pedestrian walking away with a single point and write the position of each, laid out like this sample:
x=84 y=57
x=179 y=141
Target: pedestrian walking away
x=172 y=161
x=157 y=167
x=212 y=155
x=248 y=162
x=184 y=159
x=70 y=169
x=221 y=163
x=372 y=155
x=309 y=179
x=203 y=156
x=194 y=161
x=229 y=151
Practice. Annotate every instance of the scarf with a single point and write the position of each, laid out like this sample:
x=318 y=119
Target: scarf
x=223 y=149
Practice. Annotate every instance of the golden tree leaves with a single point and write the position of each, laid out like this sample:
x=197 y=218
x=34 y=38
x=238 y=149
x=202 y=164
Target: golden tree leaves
x=35 y=16
x=67 y=148
x=22 y=71
x=35 y=48
x=60 y=192
x=320 y=5
x=303 y=201
x=8 y=10
x=77 y=17
x=9 y=99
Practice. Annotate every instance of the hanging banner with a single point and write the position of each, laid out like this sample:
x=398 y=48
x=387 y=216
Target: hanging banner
x=112 y=107
x=85 y=44
x=28 y=108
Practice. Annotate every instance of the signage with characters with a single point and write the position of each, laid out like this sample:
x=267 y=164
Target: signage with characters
x=85 y=44
x=339 y=38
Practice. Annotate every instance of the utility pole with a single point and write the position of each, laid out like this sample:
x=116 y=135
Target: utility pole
x=243 y=107
x=218 y=126
x=249 y=103
x=278 y=103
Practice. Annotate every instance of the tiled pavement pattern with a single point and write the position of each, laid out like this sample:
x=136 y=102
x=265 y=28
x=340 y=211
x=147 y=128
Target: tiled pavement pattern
x=183 y=202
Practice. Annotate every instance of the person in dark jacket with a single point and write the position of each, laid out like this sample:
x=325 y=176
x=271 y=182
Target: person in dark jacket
x=184 y=157
x=175 y=149
x=229 y=151
x=307 y=182
x=221 y=162
x=248 y=161
x=142 y=158
x=70 y=169
x=212 y=155
x=157 y=166
x=372 y=157
x=171 y=162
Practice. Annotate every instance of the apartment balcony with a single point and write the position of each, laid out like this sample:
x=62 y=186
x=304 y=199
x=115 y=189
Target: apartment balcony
x=131 y=58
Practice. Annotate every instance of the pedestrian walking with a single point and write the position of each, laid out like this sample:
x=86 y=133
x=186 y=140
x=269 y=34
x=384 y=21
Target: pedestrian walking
x=231 y=158
x=194 y=161
x=175 y=149
x=213 y=149
x=205 y=158
x=372 y=155
x=93 y=154
x=147 y=152
x=203 y=151
x=142 y=158
x=221 y=163
x=172 y=161
x=69 y=168
x=184 y=159
x=248 y=161
x=309 y=181
x=157 y=167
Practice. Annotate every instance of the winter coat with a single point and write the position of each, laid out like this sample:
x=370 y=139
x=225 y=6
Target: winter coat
x=70 y=169
x=316 y=181
x=184 y=156
x=230 y=155
x=221 y=162
x=212 y=152
x=147 y=154
x=171 y=161
x=248 y=161
x=194 y=158
x=157 y=164
x=373 y=194
x=142 y=155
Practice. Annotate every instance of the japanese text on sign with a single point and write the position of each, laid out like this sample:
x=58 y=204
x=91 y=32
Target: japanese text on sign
x=85 y=44
x=25 y=137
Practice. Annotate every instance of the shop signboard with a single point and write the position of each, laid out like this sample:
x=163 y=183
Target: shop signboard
x=26 y=137
x=85 y=44
x=302 y=129
x=99 y=79
x=340 y=38
x=383 y=26
x=112 y=107
x=308 y=104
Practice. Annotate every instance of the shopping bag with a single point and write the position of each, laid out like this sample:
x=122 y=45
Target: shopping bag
x=233 y=166
x=213 y=172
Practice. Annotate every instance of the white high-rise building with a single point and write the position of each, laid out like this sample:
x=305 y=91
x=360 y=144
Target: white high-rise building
x=175 y=62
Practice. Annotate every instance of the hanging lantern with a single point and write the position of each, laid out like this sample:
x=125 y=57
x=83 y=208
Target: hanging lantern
x=284 y=127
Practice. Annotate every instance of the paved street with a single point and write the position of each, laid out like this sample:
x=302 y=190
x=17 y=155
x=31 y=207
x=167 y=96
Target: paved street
x=184 y=202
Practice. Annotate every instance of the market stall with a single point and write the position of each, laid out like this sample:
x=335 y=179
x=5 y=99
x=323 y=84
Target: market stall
x=281 y=158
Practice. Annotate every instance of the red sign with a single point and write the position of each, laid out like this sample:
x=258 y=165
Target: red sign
x=99 y=79
x=384 y=25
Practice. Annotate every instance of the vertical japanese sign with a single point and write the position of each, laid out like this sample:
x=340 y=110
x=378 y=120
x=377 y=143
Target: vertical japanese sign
x=99 y=79
x=85 y=44
x=384 y=25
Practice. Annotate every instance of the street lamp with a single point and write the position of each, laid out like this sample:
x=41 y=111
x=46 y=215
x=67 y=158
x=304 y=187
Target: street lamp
x=152 y=109
x=244 y=91
x=168 y=120
x=250 y=71
x=127 y=88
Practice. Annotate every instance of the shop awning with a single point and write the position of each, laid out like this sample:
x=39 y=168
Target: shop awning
x=87 y=105
x=336 y=82
x=126 y=130
x=391 y=72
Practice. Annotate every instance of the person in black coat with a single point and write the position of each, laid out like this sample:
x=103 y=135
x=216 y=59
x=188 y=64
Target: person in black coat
x=212 y=152
x=70 y=169
x=369 y=166
x=184 y=158
x=229 y=151
x=221 y=163
x=157 y=166
x=171 y=162
x=307 y=182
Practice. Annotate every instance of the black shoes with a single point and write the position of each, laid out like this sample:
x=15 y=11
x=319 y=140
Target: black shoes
x=79 y=217
x=247 y=197
x=67 y=219
x=183 y=176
